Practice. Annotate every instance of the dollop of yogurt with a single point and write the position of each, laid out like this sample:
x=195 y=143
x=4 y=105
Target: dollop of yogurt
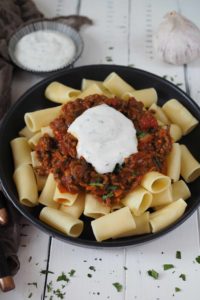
x=44 y=50
x=105 y=137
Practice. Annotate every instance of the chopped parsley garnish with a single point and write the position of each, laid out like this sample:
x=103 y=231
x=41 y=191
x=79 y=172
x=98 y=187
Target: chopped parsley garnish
x=112 y=187
x=177 y=289
x=30 y=295
x=106 y=196
x=141 y=134
x=178 y=254
x=168 y=266
x=32 y=283
x=46 y=272
x=89 y=275
x=63 y=277
x=125 y=268
x=117 y=168
x=71 y=273
x=183 y=276
x=49 y=287
x=198 y=259
x=118 y=286
x=96 y=184
x=153 y=274
x=59 y=294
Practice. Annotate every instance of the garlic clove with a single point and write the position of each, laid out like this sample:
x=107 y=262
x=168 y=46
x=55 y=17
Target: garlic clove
x=177 y=40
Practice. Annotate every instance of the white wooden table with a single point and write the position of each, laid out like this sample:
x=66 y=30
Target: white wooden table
x=121 y=34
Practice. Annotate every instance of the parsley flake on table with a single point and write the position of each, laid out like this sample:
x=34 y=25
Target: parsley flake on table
x=168 y=266
x=63 y=277
x=118 y=286
x=30 y=295
x=178 y=254
x=71 y=272
x=198 y=259
x=153 y=274
x=45 y=272
x=183 y=276
x=49 y=287
x=32 y=283
x=59 y=294
x=177 y=289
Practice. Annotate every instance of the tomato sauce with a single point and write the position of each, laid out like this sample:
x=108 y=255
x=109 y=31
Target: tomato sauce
x=58 y=154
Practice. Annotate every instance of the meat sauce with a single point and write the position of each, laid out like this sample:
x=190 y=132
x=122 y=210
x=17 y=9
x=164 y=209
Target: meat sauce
x=58 y=154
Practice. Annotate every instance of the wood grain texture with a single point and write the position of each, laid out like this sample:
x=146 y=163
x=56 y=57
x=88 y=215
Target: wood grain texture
x=122 y=34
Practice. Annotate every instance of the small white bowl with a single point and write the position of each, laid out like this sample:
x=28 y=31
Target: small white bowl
x=46 y=26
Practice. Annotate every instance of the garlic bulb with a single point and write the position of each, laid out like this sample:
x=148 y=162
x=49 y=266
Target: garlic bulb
x=177 y=40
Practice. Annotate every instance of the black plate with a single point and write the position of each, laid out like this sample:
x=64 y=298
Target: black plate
x=34 y=99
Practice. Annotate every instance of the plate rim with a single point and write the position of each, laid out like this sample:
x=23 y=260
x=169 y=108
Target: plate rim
x=132 y=241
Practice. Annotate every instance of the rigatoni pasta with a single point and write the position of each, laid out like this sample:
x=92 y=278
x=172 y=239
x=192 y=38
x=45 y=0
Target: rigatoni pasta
x=180 y=115
x=190 y=167
x=61 y=221
x=26 y=185
x=107 y=227
x=21 y=152
x=174 y=162
x=167 y=215
x=40 y=118
x=60 y=93
x=139 y=200
x=157 y=196
x=155 y=182
x=146 y=96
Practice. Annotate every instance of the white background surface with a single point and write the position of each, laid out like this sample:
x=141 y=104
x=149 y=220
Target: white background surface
x=121 y=34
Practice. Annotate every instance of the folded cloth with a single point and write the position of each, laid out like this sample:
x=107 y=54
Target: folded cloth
x=10 y=236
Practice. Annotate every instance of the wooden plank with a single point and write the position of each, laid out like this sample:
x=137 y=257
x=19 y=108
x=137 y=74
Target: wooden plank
x=96 y=270
x=139 y=285
x=32 y=255
x=106 y=41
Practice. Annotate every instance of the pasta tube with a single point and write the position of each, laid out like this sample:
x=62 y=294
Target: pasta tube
x=21 y=151
x=179 y=115
x=116 y=85
x=139 y=200
x=146 y=96
x=155 y=182
x=180 y=190
x=40 y=180
x=142 y=225
x=77 y=208
x=94 y=208
x=92 y=89
x=190 y=167
x=159 y=114
x=118 y=223
x=64 y=198
x=25 y=132
x=26 y=185
x=163 y=198
x=61 y=221
x=35 y=139
x=175 y=132
x=41 y=118
x=47 y=194
x=174 y=162
x=167 y=215
x=60 y=93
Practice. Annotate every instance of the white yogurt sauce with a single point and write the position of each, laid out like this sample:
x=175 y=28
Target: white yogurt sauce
x=105 y=137
x=44 y=50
